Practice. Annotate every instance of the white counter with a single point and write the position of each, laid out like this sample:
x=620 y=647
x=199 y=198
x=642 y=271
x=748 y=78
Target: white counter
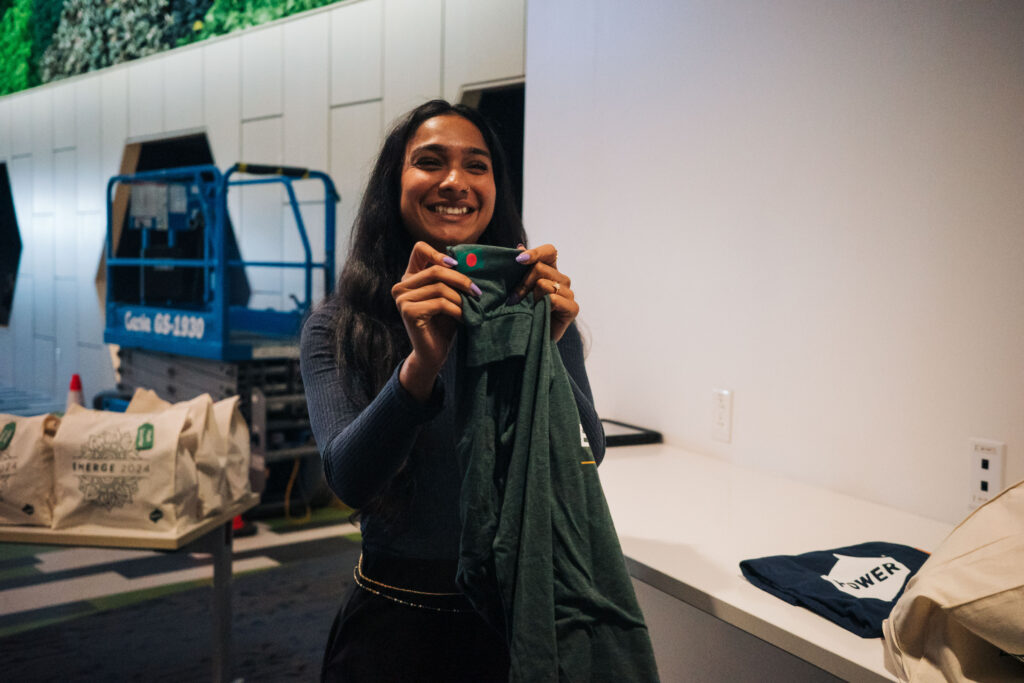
x=686 y=521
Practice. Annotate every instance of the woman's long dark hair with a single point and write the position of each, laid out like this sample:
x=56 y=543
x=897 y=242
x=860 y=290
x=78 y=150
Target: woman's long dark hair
x=369 y=336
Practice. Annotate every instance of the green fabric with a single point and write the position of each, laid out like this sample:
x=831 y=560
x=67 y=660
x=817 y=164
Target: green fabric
x=539 y=557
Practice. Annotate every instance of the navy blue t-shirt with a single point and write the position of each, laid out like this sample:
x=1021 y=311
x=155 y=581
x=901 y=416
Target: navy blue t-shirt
x=855 y=586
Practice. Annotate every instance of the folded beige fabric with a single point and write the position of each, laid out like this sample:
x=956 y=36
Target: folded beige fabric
x=203 y=439
x=128 y=470
x=961 y=617
x=26 y=469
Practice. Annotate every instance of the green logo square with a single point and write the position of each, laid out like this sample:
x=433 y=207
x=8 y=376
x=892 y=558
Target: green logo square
x=6 y=434
x=144 y=437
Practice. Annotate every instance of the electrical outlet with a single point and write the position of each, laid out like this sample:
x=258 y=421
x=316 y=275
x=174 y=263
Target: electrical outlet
x=987 y=460
x=721 y=415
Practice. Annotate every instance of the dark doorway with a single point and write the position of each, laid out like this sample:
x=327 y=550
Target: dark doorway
x=10 y=247
x=503 y=106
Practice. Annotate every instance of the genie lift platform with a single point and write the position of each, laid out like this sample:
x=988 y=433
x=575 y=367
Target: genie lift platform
x=177 y=305
x=182 y=302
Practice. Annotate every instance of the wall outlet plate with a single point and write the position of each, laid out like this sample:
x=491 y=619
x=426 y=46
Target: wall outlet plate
x=721 y=415
x=987 y=460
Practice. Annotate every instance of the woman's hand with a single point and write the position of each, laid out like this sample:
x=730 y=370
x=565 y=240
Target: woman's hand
x=544 y=278
x=428 y=301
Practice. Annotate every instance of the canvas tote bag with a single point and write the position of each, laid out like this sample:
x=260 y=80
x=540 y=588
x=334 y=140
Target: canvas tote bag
x=26 y=469
x=961 y=617
x=203 y=439
x=232 y=425
x=127 y=470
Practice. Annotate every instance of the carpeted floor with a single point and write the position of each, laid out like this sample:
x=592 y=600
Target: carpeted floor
x=281 y=619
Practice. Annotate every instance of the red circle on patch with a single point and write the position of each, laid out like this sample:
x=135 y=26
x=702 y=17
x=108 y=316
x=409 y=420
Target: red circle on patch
x=471 y=260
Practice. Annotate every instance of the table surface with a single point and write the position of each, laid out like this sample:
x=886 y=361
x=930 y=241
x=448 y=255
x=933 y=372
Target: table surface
x=686 y=521
x=97 y=535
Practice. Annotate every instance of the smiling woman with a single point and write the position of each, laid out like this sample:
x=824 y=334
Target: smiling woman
x=447 y=183
x=379 y=375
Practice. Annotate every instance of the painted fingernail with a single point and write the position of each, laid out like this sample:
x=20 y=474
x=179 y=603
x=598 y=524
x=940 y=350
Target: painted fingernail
x=476 y=290
x=520 y=246
x=449 y=261
x=513 y=299
x=523 y=258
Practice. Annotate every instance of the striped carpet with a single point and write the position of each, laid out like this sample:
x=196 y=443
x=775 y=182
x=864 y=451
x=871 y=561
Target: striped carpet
x=87 y=614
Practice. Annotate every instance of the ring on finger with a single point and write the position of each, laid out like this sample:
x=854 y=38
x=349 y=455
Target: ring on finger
x=558 y=286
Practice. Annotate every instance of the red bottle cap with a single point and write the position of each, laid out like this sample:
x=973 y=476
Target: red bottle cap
x=76 y=382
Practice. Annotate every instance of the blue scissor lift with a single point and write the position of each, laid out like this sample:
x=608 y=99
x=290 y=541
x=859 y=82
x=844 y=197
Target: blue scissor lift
x=177 y=305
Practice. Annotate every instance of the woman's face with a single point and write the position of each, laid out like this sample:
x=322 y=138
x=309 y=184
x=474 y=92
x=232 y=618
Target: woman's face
x=447 y=182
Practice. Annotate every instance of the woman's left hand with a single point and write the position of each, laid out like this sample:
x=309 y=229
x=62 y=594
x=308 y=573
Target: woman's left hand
x=545 y=278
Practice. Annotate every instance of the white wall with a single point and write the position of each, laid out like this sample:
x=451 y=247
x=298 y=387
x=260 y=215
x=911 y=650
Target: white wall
x=814 y=204
x=315 y=90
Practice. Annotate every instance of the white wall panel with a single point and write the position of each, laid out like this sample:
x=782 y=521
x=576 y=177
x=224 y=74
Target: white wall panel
x=96 y=369
x=43 y=251
x=42 y=181
x=42 y=151
x=114 y=119
x=305 y=99
x=66 y=351
x=91 y=236
x=183 y=89
x=21 y=325
x=44 y=373
x=19 y=172
x=483 y=41
x=6 y=356
x=259 y=230
x=822 y=227
x=21 y=123
x=42 y=119
x=66 y=220
x=262 y=77
x=90 y=181
x=146 y=97
x=356 y=136
x=64 y=115
x=5 y=128
x=412 y=49
x=357 y=46
x=222 y=78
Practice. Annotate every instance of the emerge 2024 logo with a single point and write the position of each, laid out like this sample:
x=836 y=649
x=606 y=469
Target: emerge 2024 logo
x=109 y=466
x=8 y=463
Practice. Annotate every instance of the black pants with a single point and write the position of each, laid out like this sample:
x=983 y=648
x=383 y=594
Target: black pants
x=379 y=640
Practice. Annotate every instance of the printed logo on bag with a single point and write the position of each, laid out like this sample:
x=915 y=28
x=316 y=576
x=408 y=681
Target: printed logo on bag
x=109 y=467
x=880 y=578
x=8 y=463
x=6 y=434
x=144 y=437
x=155 y=516
x=28 y=509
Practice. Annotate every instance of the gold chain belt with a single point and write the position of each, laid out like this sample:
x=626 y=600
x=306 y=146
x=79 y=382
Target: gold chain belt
x=362 y=580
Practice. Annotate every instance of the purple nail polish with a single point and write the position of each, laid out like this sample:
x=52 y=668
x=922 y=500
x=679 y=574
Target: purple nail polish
x=449 y=261
x=523 y=258
x=476 y=290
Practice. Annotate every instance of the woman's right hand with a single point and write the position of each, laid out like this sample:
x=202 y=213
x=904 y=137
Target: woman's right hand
x=430 y=305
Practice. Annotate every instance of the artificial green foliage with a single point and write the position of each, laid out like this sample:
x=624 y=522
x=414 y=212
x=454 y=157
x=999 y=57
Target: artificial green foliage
x=15 y=46
x=184 y=15
x=93 y=34
x=225 y=16
x=45 y=18
x=44 y=40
